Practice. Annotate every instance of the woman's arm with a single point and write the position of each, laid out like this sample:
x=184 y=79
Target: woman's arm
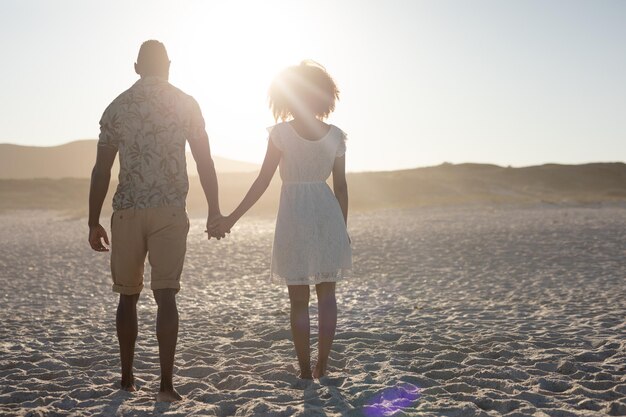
x=270 y=163
x=340 y=186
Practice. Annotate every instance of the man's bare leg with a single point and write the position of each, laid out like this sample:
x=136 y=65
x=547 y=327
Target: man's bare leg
x=167 y=335
x=126 y=324
x=327 y=312
x=300 y=327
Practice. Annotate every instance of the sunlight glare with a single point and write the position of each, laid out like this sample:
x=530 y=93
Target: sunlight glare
x=230 y=54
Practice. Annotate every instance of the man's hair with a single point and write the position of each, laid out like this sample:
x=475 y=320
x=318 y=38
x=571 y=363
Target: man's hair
x=152 y=58
x=305 y=83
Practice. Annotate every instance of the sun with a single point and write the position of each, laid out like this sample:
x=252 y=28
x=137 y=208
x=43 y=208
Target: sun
x=226 y=56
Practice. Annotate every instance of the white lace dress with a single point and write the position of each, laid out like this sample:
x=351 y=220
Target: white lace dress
x=311 y=243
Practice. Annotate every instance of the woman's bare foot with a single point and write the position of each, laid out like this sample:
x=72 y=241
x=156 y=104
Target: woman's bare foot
x=168 y=396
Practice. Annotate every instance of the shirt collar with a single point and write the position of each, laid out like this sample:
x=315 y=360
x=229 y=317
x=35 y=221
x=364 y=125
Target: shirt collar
x=151 y=79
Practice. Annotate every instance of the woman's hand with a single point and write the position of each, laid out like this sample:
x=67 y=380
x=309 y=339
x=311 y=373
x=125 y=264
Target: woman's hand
x=221 y=226
x=213 y=218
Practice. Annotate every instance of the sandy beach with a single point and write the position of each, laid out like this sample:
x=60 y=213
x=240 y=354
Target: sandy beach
x=449 y=312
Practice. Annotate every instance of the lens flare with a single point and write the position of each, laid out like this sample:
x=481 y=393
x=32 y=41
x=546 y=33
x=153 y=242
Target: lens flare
x=392 y=400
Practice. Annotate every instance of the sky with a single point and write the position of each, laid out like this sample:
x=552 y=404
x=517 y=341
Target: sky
x=422 y=82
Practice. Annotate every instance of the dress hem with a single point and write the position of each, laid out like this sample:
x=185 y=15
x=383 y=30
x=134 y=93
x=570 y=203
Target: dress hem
x=312 y=279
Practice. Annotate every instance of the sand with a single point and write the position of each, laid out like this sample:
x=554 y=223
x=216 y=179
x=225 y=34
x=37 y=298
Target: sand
x=450 y=312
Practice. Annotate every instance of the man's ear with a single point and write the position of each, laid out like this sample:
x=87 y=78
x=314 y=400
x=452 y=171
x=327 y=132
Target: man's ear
x=137 y=69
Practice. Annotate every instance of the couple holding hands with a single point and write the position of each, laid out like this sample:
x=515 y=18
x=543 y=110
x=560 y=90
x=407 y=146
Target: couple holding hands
x=149 y=125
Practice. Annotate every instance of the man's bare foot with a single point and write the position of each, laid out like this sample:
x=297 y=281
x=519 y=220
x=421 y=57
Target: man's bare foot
x=128 y=386
x=168 y=396
x=319 y=371
x=306 y=375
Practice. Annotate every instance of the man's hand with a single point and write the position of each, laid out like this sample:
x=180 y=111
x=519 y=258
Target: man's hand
x=220 y=227
x=96 y=235
x=210 y=227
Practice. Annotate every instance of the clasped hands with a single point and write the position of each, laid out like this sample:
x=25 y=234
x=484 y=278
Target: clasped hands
x=218 y=226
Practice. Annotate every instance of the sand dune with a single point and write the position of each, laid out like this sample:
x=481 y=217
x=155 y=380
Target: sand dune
x=464 y=184
x=450 y=312
x=29 y=181
x=75 y=160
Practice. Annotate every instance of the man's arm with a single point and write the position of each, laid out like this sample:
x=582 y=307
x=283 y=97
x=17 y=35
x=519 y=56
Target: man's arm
x=100 y=179
x=201 y=152
x=199 y=144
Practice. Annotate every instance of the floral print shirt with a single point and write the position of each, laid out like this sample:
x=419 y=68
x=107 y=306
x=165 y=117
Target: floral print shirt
x=148 y=125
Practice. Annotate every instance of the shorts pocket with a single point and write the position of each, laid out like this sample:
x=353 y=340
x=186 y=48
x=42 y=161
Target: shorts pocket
x=177 y=218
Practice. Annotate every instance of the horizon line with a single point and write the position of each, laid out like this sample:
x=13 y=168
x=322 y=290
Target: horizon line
x=442 y=163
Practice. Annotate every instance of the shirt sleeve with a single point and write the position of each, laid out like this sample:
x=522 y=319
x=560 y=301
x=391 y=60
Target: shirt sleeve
x=341 y=148
x=274 y=137
x=197 y=126
x=109 y=129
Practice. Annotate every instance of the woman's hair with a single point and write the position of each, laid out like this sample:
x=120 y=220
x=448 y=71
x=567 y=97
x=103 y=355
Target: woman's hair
x=303 y=88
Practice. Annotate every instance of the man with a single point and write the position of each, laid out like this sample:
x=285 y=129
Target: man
x=148 y=125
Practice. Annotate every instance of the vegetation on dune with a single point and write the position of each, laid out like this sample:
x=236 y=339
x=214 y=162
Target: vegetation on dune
x=445 y=184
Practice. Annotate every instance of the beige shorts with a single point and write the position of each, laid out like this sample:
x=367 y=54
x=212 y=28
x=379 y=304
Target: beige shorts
x=159 y=232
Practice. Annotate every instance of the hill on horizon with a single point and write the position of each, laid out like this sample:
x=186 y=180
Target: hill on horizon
x=442 y=185
x=76 y=159
x=57 y=178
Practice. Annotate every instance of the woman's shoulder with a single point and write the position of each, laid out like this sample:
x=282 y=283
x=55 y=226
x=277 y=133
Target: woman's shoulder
x=277 y=134
x=270 y=129
x=340 y=140
x=339 y=133
x=334 y=130
x=278 y=129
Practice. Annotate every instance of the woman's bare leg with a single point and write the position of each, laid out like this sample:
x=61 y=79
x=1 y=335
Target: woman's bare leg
x=327 y=311
x=300 y=327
